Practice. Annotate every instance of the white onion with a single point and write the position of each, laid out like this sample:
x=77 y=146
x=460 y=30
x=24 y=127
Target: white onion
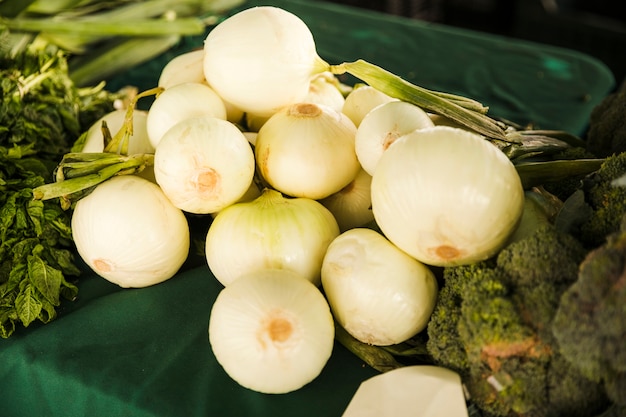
x=129 y=233
x=184 y=68
x=352 y=205
x=382 y=126
x=204 y=164
x=181 y=102
x=361 y=100
x=307 y=150
x=324 y=90
x=271 y=331
x=446 y=196
x=261 y=59
x=270 y=231
x=138 y=142
x=378 y=293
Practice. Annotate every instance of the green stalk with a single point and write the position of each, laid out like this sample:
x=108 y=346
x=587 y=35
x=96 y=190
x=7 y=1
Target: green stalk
x=537 y=173
x=374 y=356
x=116 y=56
x=78 y=27
x=465 y=111
x=66 y=188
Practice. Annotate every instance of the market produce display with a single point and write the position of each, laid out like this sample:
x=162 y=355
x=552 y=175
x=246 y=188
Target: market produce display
x=465 y=241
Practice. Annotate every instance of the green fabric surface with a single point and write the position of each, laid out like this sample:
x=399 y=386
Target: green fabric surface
x=145 y=352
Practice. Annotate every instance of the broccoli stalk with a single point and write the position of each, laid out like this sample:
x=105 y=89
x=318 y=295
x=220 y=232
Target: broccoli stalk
x=590 y=322
x=493 y=324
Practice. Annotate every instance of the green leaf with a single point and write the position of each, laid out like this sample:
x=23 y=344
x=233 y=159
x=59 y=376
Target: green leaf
x=45 y=278
x=7 y=324
x=27 y=305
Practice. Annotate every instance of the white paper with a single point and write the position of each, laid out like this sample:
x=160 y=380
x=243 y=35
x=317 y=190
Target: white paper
x=415 y=391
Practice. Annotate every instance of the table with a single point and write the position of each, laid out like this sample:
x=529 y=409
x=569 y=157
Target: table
x=145 y=352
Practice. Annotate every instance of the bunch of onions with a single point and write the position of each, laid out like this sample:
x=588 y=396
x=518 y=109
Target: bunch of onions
x=129 y=233
x=446 y=196
x=307 y=150
x=272 y=331
x=377 y=293
x=270 y=232
x=204 y=164
x=261 y=59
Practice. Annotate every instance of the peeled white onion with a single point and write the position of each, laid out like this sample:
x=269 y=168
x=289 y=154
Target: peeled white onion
x=352 y=205
x=261 y=59
x=324 y=90
x=271 y=331
x=184 y=68
x=270 y=232
x=382 y=126
x=138 y=142
x=129 y=233
x=377 y=293
x=307 y=150
x=204 y=164
x=446 y=196
x=361 y=100
x=180 y=102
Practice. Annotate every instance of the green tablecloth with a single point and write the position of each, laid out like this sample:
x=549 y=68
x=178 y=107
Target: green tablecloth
x=145 y=352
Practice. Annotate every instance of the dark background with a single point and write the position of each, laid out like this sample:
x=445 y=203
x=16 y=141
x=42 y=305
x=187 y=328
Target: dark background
x=594 y=27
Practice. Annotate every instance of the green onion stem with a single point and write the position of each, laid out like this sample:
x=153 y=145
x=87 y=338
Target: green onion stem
x=374 y=356
x=129 y=164
x=453 y=107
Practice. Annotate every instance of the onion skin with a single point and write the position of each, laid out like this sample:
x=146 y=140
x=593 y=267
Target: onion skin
x=446 y=196
x=377 y=293
x=272 y=331
x=129 y=233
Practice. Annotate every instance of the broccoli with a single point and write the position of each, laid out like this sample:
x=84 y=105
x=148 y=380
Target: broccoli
x=590 y=322
x=493 y=325
x=606 y=200
x=607 y=126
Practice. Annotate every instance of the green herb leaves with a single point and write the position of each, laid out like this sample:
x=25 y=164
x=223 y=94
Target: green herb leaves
x=42 y=113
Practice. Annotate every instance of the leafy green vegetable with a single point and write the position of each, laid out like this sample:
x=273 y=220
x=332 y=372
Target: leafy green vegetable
x=42 y=113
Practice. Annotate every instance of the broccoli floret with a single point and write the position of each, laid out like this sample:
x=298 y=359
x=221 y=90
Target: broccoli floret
x=492 y=324
x=607 y=126
x=590 y=323
x=607 y=201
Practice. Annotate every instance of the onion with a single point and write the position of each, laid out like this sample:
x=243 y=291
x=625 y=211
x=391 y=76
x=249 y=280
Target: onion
x=361 y=100
x=446 y=196
x=270 y=231
x=378 y=293
x=352 y=205
x=271 y=331
x=261 y=59
x=382 y=126
x=138 y=143
x=324 y=90
x=184 y=68
x=181 y=102
x=307 y=150
x=204 y=164
x=129 y=233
